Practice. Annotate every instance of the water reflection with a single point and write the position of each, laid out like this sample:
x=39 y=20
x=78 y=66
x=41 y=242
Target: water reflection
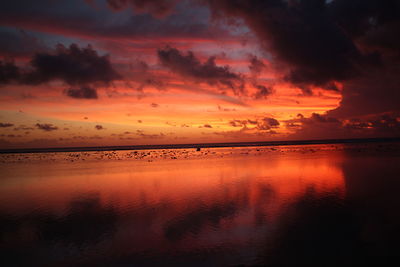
x=315 y=230
x=360 y=228
x=195 y=220
x=86 y=223
x=327 y=207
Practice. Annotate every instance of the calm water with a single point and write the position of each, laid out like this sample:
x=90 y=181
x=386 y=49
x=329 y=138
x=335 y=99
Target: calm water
x=317 y=205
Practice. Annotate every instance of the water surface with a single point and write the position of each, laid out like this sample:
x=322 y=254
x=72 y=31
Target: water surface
x=315 y=204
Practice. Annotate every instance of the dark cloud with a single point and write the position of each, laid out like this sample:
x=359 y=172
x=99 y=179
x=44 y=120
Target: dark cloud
x=207 y=126
x=252 y=121
x=23 y=128
x=225 y=109
x=319 y=126
x=82 y=93
x=262 y=92
x=5 y=124
x=262 y=124
x=242 y=123
x=11 y=135
x=375 y=92
x=93 y=137
x=318 y=43
x=46 y=127
x=238 y=123
x=154 y=105
x=267 y=123
x=73 y=65
x=358 y=17
x=141 y=74
x=300 y=34
x=19 y=43
x=99 y=127
x=9 y=72
x=386 y=124
x=75 y=18
x=313 y=127
x=158 y=8
x=150 y=136
x=190 y=67
x=256 y=65
x=315 y=117
x=317 y=40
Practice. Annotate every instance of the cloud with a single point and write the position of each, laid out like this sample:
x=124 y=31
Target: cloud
x=238 y=123
x=315 y=117
x=73 y=65
x=19 y=43
x=188 y=66
x=46 y=127
x=300 y=34
x=141 y=74
x=256 y=65
x=9 y=72
x=263 y=92
x=77 y=19
x=318 y=43
x=99 y=127
x=267 y=123
x=323 y=126
x=81 y=93
x=5 y=124
x=207 y=126
x=373 y=93
x=150 y=136
x=23 y=128
x=263 y=124
x=225 y=109
x=158 y=8
x=386 y=124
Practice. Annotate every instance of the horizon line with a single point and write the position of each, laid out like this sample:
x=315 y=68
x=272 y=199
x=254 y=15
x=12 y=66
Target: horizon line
x=199 y=145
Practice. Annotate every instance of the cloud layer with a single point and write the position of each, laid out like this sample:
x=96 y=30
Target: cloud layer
x=189 y=66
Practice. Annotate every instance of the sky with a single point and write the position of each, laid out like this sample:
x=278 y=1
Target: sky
x=136 y=72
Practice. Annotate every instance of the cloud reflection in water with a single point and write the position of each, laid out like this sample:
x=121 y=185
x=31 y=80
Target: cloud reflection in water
x=327 y=207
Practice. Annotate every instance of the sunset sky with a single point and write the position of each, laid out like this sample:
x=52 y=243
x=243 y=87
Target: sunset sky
x=130 y=72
